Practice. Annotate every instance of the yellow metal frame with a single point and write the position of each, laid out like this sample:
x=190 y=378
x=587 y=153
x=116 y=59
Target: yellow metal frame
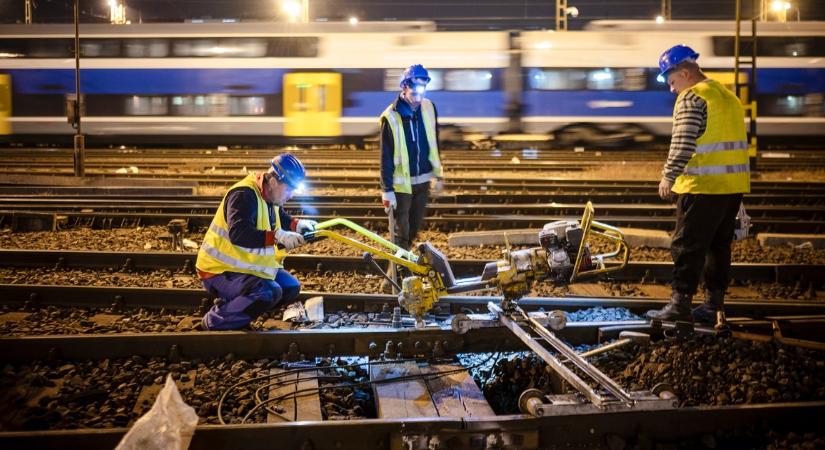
x=613 y=234
x=390 y=251
x=419 y=292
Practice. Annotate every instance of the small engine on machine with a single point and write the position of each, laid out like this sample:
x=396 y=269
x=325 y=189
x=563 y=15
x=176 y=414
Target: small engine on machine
x=561 y=241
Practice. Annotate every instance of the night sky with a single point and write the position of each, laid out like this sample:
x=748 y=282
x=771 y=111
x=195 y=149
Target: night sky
x=448 y=14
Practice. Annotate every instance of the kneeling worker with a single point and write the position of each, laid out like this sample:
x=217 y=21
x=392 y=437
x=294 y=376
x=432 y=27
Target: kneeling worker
x=241 y=257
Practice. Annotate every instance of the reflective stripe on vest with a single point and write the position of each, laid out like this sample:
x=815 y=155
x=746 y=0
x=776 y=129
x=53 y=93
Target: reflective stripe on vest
x=402 y=182
x=256 y=251
x=717 y=170
x=720 y=164
x=719 y=146
x=218 y=254
x=236 y=263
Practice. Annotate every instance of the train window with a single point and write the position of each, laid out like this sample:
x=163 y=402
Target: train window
x=436 y=80
x=146 y=48
x=635 y=79
x=36 y=48
x=196 y=47
x=810 y=105
x=292 y=47
x=190 y=105
x=604 y=79
x=391 y=79
x=557 y=79
x=243 y=48
x=789 y=46
x=13 y=48
x=247 y=106
x=284 y=47
x=100 y=48
x=322 y=97
x=468 y=80
x=146 y=106
x=302 y=103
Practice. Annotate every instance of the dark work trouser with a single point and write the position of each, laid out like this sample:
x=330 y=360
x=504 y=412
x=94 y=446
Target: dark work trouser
x=704 y=231
x=246 y=297
x=409 y=214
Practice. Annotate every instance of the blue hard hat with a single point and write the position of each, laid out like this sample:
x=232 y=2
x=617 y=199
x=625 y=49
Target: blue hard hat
x=288 y=170
x=413 y=72
x=673 y=56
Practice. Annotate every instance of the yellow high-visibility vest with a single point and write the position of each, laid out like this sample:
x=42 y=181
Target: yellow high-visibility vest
x=720 y=164
x=218 y=254
x=401 y=176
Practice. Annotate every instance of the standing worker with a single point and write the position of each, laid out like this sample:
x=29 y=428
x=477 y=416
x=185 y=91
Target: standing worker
x=708 y=168
x=409 y=155
x=241 y=257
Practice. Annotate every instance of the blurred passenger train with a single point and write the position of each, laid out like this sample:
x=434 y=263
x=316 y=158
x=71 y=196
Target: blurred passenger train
x=235 y=83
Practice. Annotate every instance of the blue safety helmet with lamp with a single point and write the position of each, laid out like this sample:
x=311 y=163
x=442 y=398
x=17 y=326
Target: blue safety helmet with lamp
x=413 y=73
x=288 y=170
x=672 y=57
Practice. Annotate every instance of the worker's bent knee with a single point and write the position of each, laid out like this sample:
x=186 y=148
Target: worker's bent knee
x=291 y=292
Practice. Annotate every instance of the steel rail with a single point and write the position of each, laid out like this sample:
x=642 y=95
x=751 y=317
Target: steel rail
x=562 y=431
x=436 y=209
x=637 y=271
x=445 y=222
x=273 y=344
x=173 y=195
x=192 y=299
x=472 y=182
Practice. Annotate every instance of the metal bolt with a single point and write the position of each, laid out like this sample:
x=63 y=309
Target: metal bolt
x=396 y=317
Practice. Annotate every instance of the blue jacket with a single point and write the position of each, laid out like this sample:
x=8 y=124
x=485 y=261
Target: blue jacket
x=417 y=146
x=241 y=214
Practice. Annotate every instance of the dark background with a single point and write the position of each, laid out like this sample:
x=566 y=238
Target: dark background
x=448 y=14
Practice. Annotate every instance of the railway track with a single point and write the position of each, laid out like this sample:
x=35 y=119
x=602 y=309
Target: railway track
x=32 y=296
x=635 y=271
x=173 y=195
x=112 y=398
x=351 y=209
x=191 y=350
x=767 y=160
x=27 y=220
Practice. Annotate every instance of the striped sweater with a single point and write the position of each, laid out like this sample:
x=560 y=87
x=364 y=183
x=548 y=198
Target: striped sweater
x=689 y=123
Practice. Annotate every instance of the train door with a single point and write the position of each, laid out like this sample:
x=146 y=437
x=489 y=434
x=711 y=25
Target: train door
x=312 y=104
x=5 y=104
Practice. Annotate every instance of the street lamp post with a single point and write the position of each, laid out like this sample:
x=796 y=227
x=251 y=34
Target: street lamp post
x=74 y=114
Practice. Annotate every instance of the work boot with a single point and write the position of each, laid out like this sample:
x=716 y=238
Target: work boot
x=706 y=312
x=677 y=309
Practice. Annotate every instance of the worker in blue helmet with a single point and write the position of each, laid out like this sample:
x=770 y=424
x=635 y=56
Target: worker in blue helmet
x=707 y=168
x=410 y=160
x=241 y=258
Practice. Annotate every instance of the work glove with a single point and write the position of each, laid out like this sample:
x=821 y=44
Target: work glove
x=305 y=225
x=438 y=185
x=388 y=198
x=289 y=239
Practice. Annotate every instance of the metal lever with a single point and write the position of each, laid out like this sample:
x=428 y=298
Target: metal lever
x=368 y=258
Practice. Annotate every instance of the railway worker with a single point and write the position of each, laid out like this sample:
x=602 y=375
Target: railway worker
x=409 y=155
x=241 y=257
x=707 y=167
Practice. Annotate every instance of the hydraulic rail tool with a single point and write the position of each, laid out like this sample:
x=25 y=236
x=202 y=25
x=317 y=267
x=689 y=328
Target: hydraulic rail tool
x=564 y=256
